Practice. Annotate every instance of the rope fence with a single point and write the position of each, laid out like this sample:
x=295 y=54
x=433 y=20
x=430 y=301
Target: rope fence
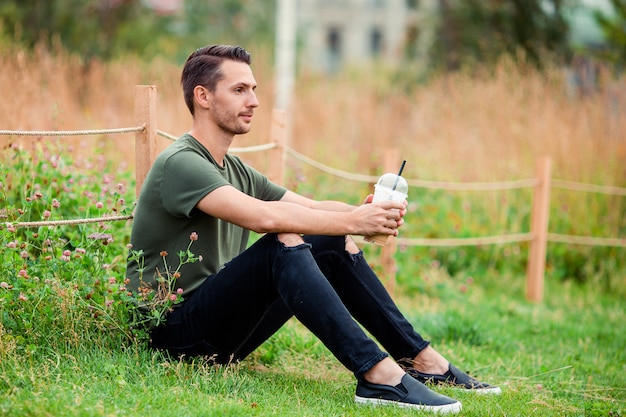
x=467 y=241
x=145 y=150
x=589 y=188
x=587 y=240
x=72 y=222
x=70 y=132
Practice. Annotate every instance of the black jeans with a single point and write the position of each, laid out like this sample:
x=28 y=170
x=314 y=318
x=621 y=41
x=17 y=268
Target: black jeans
x=325 y=287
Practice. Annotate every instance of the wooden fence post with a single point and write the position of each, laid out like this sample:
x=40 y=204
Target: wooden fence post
x=539 y=230
x=391 y=163
x=278 y=135
x=146 y=140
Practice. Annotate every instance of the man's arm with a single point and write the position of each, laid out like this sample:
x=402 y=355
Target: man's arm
x=327 y=205
x=298 y=214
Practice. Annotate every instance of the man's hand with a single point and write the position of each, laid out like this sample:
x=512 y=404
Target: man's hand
x=370 y=197
x=381 y=217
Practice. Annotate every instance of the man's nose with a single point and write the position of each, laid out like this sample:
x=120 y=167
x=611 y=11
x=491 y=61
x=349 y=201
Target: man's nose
x=254 y=101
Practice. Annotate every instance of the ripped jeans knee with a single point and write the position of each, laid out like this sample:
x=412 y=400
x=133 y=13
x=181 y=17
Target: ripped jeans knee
x=351 y=246
x=290 y=239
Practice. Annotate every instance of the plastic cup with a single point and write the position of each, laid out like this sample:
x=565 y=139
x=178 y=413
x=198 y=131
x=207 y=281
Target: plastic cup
x=382 y=193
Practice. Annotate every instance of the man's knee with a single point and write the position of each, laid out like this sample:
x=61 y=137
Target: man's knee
x=351 y=246
x=290 y=239
x=333 y=243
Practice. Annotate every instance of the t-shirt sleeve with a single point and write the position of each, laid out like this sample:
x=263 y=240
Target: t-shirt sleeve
x=264 y=188
x=187 y=178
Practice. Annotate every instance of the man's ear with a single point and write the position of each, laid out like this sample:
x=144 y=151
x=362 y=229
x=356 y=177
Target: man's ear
x=201 y=96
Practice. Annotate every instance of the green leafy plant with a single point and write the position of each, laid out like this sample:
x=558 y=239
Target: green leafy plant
x=68 y=276
x=156 y=303
x=62 y=282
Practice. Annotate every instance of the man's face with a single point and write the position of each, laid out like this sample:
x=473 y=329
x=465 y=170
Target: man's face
x=234 y=99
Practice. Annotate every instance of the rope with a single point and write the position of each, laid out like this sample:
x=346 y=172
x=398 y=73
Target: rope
x=256 y=148
x=475 y=186
x=336 y=172
x=590 y=188
x=506 y=185
x=472 y=241
x=166 y=135
x=587 y=240
x=69 y=132
x=439 y=185
x=72 y=222
x=523 y=237
x=469 y=241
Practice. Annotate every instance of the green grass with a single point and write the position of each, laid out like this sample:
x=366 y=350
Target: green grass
x=68 y=348
x=564 y=357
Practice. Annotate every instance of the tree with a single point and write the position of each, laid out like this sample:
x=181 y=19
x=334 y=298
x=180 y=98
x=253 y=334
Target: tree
x=613 y=27
x=233 y=21
x=109 y=28
x=91 y=28
x=474 y=31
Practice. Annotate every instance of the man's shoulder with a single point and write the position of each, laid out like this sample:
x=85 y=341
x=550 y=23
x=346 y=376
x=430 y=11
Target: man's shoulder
x=183 y=148
x=236 y=166
x=234 y=160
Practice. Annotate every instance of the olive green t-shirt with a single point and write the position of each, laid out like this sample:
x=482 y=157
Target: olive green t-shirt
x=166 y=213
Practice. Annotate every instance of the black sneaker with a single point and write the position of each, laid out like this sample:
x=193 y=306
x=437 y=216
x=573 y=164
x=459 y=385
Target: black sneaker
x=456 y=378
x=408 y=394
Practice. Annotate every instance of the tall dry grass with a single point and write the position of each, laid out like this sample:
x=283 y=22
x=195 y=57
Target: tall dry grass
x=461 y=127
x=456 y=127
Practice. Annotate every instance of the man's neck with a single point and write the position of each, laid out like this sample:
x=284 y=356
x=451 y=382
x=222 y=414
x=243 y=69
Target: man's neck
x=217 y=143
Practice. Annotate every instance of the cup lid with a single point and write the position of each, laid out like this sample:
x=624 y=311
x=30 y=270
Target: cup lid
x=394 y=181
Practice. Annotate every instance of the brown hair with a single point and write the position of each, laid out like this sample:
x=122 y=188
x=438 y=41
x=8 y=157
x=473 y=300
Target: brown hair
x=203 y=67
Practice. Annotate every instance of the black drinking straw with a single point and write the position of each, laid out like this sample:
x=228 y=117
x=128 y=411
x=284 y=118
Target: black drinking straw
x=395 y=184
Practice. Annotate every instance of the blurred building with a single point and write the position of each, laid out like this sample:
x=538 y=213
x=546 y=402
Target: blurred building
x=164 y=6
x=585 y=31
x=335 y=33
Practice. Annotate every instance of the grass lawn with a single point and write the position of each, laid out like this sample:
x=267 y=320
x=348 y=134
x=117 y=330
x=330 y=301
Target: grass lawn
x=64 y=349
x=564 y=357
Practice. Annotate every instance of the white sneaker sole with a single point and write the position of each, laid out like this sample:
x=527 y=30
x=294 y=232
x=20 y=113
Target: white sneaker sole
x=481 y=391
x=439 y=409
